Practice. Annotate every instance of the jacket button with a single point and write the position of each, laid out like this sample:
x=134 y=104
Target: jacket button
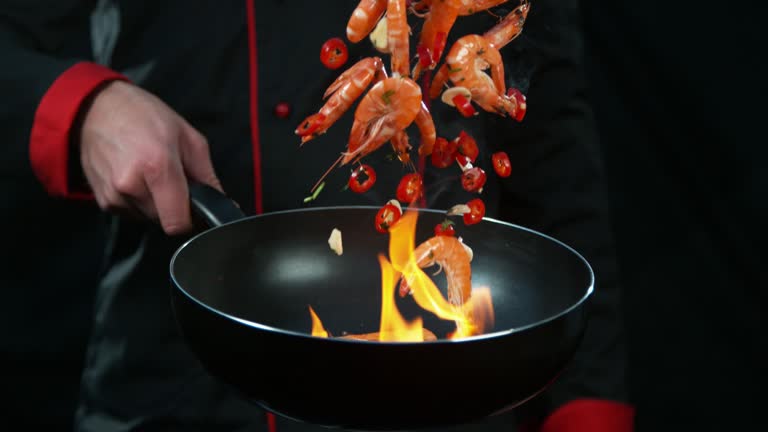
x=282 y=110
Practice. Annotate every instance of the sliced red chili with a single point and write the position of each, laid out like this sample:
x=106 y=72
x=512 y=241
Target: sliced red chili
x=443 y=152
x=445 y=228
x=522 y=106
x=310 y=124
x=334 y=53
x=476 y=212
x=473 y=179
x=464 y=106
x=501 y=164
x=467 y=146
x=425 y=56
x=362 y=179
x=387 y=216
x=410 y=188
x=440 y=40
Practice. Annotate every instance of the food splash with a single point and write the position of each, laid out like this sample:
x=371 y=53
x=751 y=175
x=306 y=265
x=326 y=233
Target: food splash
x=471 y=309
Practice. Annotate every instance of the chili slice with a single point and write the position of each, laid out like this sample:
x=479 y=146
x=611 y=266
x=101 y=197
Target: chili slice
x=464 y=106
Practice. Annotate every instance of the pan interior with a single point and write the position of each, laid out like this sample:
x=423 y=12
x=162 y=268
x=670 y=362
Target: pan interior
x=268 y=269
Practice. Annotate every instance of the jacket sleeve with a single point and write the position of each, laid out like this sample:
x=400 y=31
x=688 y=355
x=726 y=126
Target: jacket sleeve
x=556 y=187
x=46 y=78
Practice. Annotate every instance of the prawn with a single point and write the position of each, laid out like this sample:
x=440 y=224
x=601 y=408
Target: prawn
x=438 y=23
x=340 y=95
x=468 y=7
x=451 y=255
x=472 y=54
x=428 y=135
x=364 y=19
x=398 y=32
x=510 y=27
x=389 y=107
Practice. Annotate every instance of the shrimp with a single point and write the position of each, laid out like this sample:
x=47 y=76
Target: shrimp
x=470 y=55
x=438 y=23
x=390 y=106
x=398 y=32
x=468 y=7
x=428 y=134
x=467 y=59
x=341 y=94
x=451 y=255
x=427 y=130
x=364 y=19
x=510 y=27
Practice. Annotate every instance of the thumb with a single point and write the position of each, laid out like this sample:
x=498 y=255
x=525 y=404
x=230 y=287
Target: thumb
x=196 y=158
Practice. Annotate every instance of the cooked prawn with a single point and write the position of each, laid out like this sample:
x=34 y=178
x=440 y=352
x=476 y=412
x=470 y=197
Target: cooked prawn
x=341 y=94
x=510 y=27
x=468 y=7
x=471 y=55
x=434 y=32
x=451 y=255
x=364 y=19
x=465 y=65
x=390 y=106
x=427 y=130
x=398 y=32
x=401 y=143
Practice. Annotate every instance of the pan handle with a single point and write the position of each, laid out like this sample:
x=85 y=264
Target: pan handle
x=211 y=206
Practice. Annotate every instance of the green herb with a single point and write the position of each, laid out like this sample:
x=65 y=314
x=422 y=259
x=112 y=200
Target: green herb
x=314 y=195
x=387 y=94
x=480 y=52
x=453 y=70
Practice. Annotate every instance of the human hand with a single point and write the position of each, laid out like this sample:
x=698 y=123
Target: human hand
x=136 y=153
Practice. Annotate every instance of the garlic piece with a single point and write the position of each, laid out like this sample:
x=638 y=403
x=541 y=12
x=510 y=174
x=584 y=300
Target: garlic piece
x=396 y=203
x=334 y=241
x=450 y=93
x=458 y=209
x=379 y=36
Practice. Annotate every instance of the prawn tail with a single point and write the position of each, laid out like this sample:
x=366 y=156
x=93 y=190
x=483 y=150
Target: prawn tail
x=402 y=146
x=427 y=130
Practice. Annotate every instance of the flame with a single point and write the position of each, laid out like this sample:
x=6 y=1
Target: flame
x=473 y=317
x=317 y=325
x=393 y=327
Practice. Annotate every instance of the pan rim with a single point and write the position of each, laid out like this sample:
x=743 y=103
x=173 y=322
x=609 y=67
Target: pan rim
x=470 y=339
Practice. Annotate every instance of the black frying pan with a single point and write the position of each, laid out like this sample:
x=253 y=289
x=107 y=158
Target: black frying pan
x=241 y=292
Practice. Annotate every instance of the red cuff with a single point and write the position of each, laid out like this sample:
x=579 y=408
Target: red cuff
x=57 y=111
x=588 y=415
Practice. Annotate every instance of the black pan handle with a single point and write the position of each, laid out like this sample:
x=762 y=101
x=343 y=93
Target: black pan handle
x=212 y=207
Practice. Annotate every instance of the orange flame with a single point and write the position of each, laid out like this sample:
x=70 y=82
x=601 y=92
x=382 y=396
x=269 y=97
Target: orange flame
x=474 y=317
x=317 y=325
x=393 y=327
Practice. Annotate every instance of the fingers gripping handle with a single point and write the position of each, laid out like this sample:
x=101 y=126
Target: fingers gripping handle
x=211 y=206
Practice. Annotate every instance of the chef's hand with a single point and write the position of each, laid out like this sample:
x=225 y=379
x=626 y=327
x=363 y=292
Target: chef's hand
x=136 y=154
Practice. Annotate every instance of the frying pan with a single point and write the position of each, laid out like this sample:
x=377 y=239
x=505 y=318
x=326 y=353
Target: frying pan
x=241 y=292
